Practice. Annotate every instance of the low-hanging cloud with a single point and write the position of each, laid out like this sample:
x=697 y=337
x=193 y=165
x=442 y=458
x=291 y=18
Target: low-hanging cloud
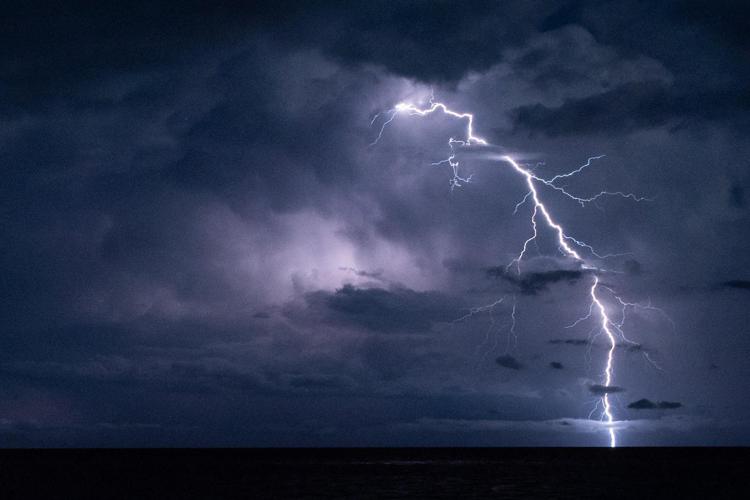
x=573 y=342
x=394 y=310
x=601 y=390
x=508 y=361
x=736 y=284
x=533 y=283
x=647 y=404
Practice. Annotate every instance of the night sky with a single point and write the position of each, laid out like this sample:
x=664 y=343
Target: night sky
x=201 y=247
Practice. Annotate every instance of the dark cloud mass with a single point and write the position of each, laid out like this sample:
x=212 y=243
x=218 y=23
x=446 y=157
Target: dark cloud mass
x=737 y=284
x=647 y=404
x=600 y=390
x=630 y=347
x=633 y=267
x=434 y=44
x=396 y=310
x=201 y=246
x=508 y=361
x=532 y=283
x=574 y=342
x=636 y=106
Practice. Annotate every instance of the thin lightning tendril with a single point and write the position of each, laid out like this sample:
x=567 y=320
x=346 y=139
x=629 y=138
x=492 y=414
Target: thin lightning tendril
x=567 y=244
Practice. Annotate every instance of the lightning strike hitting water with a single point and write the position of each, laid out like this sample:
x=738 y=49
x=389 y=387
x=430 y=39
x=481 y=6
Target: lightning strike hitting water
x=610 y=360
x=568 y=245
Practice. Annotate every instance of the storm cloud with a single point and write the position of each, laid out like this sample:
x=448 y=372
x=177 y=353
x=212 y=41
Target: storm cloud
x=601 y=390
x=532 y=283
x=736 y=284
x=637 y=106
x=395 y=310
x=573 y=342
x=647 y=404
x=508 y=361
x=198 y=231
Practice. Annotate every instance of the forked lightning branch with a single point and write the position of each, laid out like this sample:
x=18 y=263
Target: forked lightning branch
x=568 y=245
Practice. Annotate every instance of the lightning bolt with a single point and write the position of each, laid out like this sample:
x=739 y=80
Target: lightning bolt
x=606 y=328
x=567 y=244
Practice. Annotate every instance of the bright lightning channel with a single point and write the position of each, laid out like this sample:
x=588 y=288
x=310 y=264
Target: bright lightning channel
x=566 y=243
x=610 y=361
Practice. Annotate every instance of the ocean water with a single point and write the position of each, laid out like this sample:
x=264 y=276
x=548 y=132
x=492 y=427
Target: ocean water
x=377 y=473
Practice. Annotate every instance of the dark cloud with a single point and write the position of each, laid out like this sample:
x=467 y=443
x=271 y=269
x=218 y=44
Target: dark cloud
x=601 y=390
x=508 y=361
x=633 y=267
x=737 y=197
x=532 y=283
x=434 y=43
x=725 y=18
x=638 y=105
x=188 y=188
x=736 y=284
x=568 y=13
x=574 y=342
x=62 y=45
x=646 y=404
x=396 y=310
x=627 y=346
x=630 y=346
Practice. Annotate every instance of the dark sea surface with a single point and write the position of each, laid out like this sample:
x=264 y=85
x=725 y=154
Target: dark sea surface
x=377 y=473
